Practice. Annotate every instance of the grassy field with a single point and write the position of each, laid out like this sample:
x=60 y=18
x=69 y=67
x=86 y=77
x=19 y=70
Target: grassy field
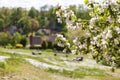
x=16 y=68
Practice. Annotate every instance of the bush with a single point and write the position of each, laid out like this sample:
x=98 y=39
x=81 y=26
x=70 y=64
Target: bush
x=17 y=38
x=50 y=45
x=9 y=46
x=23 y=41
x=58 y=48
x=5 y=38
x=9 y=40
x=44 y=44
x=117 y=61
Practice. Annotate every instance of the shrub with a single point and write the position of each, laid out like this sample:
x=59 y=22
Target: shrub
x=44 y=44
x=58 y=48
x=9 y=46
x=23 y=41
x=50 y=45
x=5 y=38
x=16 y=38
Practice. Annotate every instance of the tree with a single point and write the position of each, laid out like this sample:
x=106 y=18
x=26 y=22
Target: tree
x=17 y=14
x=33 y=13
x=5 y=14
x=25 y=24
x=34 y=25
x=17 y=37
x=2 y=24
x=102 y=38
x=83 y=12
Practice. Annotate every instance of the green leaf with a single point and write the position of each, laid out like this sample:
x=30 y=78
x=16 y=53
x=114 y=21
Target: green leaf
x=86 y=1
x=118 y=1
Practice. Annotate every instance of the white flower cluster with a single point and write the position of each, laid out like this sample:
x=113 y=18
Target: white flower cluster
x=79 y=45
x=103 y=30
x=101 y=39
x=118 y=18
x=117 y=29
x=110 y=2
x=67 y=16
x=62 y=41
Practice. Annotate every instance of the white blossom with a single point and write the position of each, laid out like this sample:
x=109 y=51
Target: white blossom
x=64 y=39
x=73 y=51
x=59 y=20
x=95 y=38
x=109 y=34
x=101 y=34
x=117 y=29
x=110 y=19
x=101 y=9
x=92 y=42
x=90 y=27
x=93 y=20
x=60 y=44
x=111 y=2
x=116 y=41
x=58 y=13
x=119 y=20
x=68 y=44
x=76 y=41
x=104 y=42
x=59 y=35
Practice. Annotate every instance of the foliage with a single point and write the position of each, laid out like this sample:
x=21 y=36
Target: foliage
x=58 y=48
x=17 y=38
x=50 y=45
x=5 y=38
x=10 y=40
x=33 y=19
x=23 y=41
x=1 y=24
x=44 y=44
x=102 y=38
x=33 y=13
x=9 y=46
x=62 y=43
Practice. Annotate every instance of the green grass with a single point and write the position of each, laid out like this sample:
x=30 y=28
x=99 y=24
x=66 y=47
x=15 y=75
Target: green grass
x=17 y=60
x=80 y=72
x=11 y=65
x=17 y=66
x=2 y=65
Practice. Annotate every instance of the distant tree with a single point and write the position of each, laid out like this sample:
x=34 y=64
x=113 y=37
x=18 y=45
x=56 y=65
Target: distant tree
x=34 y=24
x=5 y=38
x=17 y=38
x=2 y=24
x=17 y=14
x=5 y=14
x=33 y=13
x=83 y=12
x=25 y=24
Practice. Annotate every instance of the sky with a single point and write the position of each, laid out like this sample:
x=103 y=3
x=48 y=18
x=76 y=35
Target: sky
x=37 y=3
